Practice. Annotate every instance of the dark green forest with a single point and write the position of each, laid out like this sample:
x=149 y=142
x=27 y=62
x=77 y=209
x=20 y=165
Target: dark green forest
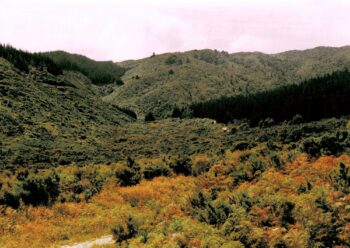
x=99 y=72
x=22 y=60
x=314 y=99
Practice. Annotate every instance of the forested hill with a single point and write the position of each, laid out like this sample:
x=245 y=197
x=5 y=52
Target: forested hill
x=314 y=99
x=22 y=60
x=160 y=83
x=99 y=72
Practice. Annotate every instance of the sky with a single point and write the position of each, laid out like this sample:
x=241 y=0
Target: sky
x=131 y=29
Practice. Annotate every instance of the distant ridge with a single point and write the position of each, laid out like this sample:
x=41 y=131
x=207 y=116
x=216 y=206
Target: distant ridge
x=160 y=83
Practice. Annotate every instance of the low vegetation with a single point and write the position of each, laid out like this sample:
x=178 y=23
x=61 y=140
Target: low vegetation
x=266 y=188
x=244 y=199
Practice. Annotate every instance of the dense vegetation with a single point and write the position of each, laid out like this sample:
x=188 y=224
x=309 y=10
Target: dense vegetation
x=314 y=99
x=159 y=83
x=99 y=72
x=22 y=60
x=261 y=197
x=73 y=168
x=51 y=121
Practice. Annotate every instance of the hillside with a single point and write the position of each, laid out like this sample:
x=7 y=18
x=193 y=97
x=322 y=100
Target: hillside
x=49 y=120
x=99 y=72
x=75 y=167
x=159 y=83
x=314 y=99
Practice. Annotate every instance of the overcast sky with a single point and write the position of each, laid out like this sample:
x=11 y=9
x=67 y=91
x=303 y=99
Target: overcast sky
x=130 y=29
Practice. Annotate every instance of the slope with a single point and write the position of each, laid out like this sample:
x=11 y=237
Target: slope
x=99 y=72
x=47 y=120
x=159 y=83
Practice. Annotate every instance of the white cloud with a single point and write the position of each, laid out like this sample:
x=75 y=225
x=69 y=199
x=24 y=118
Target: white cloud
x=118 y=30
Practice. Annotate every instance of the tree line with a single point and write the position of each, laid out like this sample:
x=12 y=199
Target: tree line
x=99 y=72
x=321 y=97
x=22 y=60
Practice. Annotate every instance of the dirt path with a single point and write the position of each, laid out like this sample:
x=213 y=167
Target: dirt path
x=105 y=240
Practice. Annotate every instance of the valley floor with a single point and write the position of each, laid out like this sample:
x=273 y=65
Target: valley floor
x=197 y=184
x=302 y=204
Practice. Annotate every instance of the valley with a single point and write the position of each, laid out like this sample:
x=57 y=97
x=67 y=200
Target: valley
x=79 y=161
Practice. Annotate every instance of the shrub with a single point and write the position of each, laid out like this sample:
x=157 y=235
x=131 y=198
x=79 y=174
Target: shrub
x=326 y=232
x=149 y=117
x=287 y=214
x=173 y=59
x=153 y=171
x=127 y=176
x=131 y=163
x=200 y=166
x=297 y=119
x=182 y=166
x=129 y=112
x=205 y=211
x=276 y=161
x=124 y=232
x=268 y=122
x=326 y=145
x=341 y=179
x=177 y=112
x=240 y=146
x=41 y=189
x=310 y=146
x=330 y=146
x=119 y=82
x=11 y=198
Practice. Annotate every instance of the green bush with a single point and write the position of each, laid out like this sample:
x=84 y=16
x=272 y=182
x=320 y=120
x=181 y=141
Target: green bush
x=287 y=214
x=149 y=117
x=297 y=119
x=248 y=168
x=124 y=232
x=177 y=112
x=341 y=179
x=326 y=145
x=182 y=166
x=268 y=122
x=128 y=175
x=129 y=112
x=173 y=59
x=41 y=189
x=205 y=211
x=11 y=198
x=199 y=167
x=153 y=171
